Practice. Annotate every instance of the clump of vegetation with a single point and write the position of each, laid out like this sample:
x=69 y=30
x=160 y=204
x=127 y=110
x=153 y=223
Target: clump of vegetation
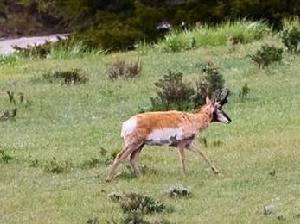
x=5 y=157
x=137 y=202
x=122 y=69
x=244 y=92
x=75 y=76
x=54 y=166
x=291 y=38
x=211 y=82
x=8 y=115
x=177 y=41
x=179 y=191
x=8 y=59
x=173 y=93
x=135 y=206
x=267 y=55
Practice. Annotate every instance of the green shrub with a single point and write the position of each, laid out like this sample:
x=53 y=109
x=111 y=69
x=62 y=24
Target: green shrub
x=291 y=39
x=134 y=202
x=267 y=55
x=123 y=69
x=211 y=81
x=173 y=93
x=75 y=76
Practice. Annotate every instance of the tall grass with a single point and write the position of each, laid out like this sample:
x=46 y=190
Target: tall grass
x=243 y=31
x=291 y=22
x=75 y=50
x=63 y=49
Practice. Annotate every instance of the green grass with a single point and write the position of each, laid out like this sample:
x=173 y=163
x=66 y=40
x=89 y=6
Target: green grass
x=218 y=35
x=74 y=123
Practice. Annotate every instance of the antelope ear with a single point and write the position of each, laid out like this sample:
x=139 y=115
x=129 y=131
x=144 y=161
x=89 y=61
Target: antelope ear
x=208 y=101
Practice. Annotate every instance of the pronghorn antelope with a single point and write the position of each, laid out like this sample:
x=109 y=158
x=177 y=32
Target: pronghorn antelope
x=172 y=128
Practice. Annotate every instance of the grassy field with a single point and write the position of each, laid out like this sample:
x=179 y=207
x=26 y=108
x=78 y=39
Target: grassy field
x=69 y=126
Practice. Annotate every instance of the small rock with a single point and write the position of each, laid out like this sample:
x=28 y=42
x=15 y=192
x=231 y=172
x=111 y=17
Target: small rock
x=268 y=209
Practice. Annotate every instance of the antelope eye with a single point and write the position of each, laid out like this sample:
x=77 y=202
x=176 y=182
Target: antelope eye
x=219 y=106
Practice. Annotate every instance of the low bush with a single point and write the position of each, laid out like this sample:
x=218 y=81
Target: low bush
x=135 y=206
x=266 y=55
x=211 y=81
x=123 y=69
x=134 y=202
x=75 y=76
x=173 y=93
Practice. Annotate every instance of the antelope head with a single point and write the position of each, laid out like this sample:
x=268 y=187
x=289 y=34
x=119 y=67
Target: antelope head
x=220 y=98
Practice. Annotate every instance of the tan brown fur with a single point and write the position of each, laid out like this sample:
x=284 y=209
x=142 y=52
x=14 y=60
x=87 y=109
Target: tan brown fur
x=190 y=124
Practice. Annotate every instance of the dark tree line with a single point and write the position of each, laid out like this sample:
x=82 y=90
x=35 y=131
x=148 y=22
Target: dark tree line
x=118 y=23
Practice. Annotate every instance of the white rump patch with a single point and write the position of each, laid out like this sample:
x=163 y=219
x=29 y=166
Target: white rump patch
x=165 y=134
x=128 y=127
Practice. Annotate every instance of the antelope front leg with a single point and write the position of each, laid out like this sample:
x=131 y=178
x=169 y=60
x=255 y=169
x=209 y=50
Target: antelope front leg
x=204 y=156
x=181 y=153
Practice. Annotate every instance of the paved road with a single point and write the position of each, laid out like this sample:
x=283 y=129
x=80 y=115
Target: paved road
x=6 y=46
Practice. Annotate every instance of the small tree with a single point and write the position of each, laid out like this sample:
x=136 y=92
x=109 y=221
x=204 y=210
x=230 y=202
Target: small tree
x=208 y=84
x=173 y=93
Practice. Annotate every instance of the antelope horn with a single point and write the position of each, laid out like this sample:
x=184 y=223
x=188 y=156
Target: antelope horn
x=221 y=95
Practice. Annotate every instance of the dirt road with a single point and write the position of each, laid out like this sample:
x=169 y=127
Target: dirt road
x=6 y=45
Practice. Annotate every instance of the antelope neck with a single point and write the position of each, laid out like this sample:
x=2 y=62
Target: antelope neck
x=203 y=118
